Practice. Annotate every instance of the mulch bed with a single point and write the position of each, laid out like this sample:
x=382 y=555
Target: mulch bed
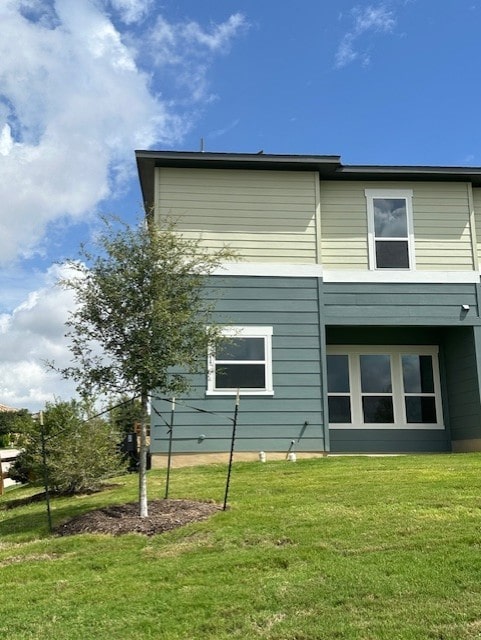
x=164 y=515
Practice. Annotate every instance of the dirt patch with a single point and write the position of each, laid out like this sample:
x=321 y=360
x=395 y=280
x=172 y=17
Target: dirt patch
x=116 y=520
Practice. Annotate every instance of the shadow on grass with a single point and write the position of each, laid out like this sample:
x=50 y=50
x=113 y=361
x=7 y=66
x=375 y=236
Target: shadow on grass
x=32 y=521
x=22 y=502
x=28 y=525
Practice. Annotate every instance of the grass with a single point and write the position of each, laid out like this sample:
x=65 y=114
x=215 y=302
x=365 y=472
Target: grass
x=351 y=548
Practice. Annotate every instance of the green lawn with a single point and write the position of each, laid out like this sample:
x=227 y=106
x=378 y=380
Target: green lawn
x=361 y=548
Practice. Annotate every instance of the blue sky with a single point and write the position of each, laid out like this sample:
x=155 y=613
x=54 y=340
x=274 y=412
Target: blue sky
x=381 y=82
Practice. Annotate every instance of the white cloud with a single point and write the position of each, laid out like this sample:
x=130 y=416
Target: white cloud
x=345 y=52
x=370 y=19
x=217 y=133
x=376 y=18
x=6 y=142
x=29 y=337
x=132 y=11
x=171 y=39
x=75 y=103
x=188 y=48
x=220 y=35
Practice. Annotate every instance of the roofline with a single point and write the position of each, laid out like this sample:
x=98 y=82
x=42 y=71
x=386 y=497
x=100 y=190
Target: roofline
x=171 y=158
x=147 y=161
x=329 y=167
x=425 y=171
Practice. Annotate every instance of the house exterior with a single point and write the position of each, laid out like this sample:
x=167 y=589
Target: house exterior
x=352 y=314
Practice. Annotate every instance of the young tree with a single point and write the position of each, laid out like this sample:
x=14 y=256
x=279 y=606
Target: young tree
x=142 y=320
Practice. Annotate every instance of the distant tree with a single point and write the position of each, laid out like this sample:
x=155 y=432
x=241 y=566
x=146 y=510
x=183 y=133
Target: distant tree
x=142 y=320
x=11 y=424
x=81 y=451
x=125 y=413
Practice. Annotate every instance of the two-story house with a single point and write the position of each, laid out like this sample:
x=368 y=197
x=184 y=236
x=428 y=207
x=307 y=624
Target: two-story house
x=353 y=310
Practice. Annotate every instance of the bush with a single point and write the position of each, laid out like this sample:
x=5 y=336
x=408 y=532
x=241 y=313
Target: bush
x=11 y=424
x=4 y=440
x=80 y=452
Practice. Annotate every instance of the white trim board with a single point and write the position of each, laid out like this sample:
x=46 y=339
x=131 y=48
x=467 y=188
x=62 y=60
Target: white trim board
x=400 y=276
x=269 y=269
x=294 y=270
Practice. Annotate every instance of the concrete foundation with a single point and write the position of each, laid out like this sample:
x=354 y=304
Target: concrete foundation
x=159 y=460
x=466 y=446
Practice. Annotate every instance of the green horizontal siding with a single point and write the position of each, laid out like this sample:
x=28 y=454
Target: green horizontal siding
x=389 y=441
x=399 y=303
x=291 y=307
x=462 y=384
x=351 y=313
x=392 y=299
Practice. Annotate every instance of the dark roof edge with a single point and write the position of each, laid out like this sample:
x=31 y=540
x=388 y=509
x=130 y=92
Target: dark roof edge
x=209 y=156
x=198 y=159
x=409 y=170
x=329 y=167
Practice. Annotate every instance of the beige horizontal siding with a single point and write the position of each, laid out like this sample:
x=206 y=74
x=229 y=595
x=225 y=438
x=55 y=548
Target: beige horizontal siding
x=343 y=226
x=441 y=224
x=447 y=246
x=262 y=215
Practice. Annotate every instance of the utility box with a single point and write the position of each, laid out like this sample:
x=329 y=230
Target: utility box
x=130 y=448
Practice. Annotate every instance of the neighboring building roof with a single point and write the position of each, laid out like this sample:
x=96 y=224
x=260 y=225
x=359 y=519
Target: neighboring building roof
x=328 y=167
x=5 y=409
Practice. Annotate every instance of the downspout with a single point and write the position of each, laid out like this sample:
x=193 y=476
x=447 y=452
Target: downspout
x=472 y=227
x=474 y=247
x=323 y=353
x=320 y=315
x=474 y=243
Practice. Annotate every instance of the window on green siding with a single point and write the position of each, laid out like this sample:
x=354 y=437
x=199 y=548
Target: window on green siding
x=383 y=387
x=390 y=229
x=339 y=396
x=419 y=394
x=242 y=361
x=376 y=388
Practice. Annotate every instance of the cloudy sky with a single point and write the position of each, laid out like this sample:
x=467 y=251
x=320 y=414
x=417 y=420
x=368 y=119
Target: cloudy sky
x=83 y=83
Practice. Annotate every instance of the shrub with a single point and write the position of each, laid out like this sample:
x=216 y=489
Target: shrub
x=80 y=452
x=11 y=424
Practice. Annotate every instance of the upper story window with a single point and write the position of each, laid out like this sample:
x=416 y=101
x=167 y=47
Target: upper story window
x=242 y=360
x=390 y=228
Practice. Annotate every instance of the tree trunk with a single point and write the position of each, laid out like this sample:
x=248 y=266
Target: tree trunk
x=144 y=509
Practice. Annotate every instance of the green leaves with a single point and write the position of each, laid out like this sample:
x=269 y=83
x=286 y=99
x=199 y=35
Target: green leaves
x=141 y=309
x=81 y=452
x=140 y=315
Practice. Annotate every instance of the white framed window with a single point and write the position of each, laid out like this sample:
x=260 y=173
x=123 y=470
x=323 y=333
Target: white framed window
x=390 y=228
x=242 y=360
x=380 y=387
